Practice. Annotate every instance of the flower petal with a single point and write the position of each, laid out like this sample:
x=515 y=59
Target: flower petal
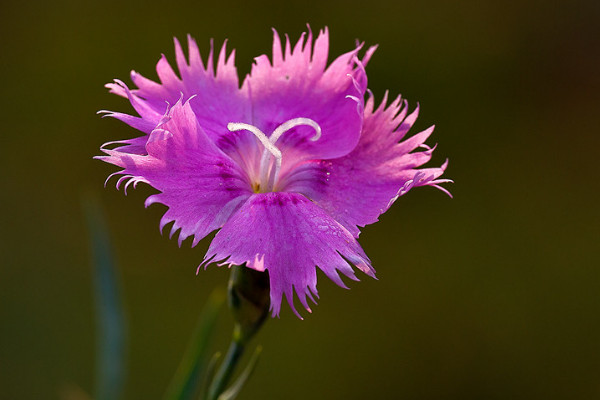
x=359 y=187
x=217 y=98
x=199 y=184
x=288 y=235
x=297 y=84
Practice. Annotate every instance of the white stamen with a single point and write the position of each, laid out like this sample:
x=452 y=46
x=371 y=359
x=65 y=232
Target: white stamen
x=292 y=123
x=239 y=126
x=269 y=147
x=268 y=176
x=280 y=130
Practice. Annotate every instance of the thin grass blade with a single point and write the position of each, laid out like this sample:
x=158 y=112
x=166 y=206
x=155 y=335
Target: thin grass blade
x=238 y=385
x=110 y=321
x=210 y=374
x=186 y=382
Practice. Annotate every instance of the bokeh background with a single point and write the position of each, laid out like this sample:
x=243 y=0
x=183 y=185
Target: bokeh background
x=491 y=295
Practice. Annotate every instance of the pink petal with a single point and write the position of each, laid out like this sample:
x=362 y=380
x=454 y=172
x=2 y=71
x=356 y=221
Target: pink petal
x=359 y=187
x=201 y=186
x=215 y=98
x=297 y=84
x=289 y=236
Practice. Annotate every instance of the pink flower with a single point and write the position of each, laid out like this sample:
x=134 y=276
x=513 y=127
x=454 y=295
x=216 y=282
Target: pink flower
x=288 y=166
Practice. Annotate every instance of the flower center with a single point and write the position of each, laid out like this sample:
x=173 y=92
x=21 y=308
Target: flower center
x=270 y=161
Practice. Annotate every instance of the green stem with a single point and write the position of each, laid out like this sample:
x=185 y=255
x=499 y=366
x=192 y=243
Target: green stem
x=249 y=302
x=223 y=375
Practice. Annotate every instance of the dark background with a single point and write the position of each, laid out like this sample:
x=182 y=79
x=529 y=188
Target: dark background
x=491 y=295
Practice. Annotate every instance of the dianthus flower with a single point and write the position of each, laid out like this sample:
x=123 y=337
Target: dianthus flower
x=288 y=166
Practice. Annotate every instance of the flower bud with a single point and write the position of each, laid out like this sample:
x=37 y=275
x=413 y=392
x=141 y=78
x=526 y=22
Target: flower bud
x=249 y=300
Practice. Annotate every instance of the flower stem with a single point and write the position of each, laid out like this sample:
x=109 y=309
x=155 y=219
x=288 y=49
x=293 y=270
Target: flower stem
x=223 y=375
x=249 y=302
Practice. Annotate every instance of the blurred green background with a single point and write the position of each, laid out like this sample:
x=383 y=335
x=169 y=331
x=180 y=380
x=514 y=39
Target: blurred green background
x=491 y=295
